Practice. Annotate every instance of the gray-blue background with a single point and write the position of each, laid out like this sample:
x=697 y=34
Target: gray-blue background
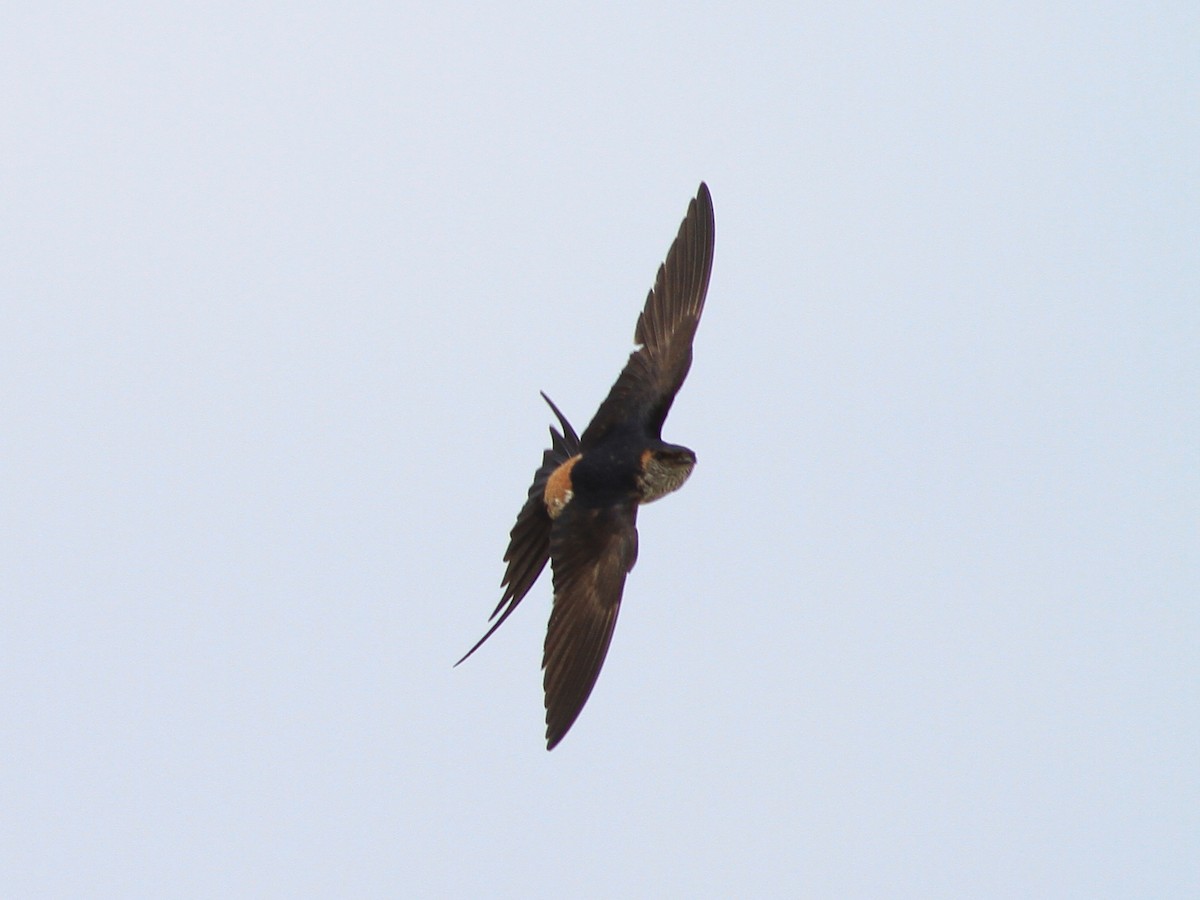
x=280 y=284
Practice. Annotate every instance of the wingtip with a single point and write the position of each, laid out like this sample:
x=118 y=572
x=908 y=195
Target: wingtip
x=704 y=202
x=555 y=733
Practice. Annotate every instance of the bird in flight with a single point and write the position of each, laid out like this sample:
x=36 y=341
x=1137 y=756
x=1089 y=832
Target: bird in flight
x=581 y=512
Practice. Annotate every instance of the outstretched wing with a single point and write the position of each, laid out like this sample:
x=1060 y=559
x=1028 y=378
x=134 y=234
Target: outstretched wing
x=529 y=540
x=655 y=371
x=593 y=549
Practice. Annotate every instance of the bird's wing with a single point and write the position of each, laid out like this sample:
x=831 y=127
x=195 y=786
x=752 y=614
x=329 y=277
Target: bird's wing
x=593 y=549
x=529 y=540
x=655 y=371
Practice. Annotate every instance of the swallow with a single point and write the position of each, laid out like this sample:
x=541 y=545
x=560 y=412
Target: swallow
x=581 y=512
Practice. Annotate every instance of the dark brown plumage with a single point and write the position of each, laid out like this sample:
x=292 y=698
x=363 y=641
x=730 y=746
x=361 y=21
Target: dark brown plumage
x=581 y=511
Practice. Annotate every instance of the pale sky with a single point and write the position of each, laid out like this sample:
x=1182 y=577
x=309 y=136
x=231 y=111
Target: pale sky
x=280 y=286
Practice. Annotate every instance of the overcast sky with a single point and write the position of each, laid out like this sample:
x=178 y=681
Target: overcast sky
x=280 y=285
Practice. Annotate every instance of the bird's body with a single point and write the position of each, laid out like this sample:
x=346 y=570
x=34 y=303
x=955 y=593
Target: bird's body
x=581 y=511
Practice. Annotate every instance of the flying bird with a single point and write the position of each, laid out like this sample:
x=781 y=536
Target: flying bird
x=581 y=512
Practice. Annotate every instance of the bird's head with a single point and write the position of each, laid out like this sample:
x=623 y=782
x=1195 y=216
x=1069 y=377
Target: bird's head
x=665 y=467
